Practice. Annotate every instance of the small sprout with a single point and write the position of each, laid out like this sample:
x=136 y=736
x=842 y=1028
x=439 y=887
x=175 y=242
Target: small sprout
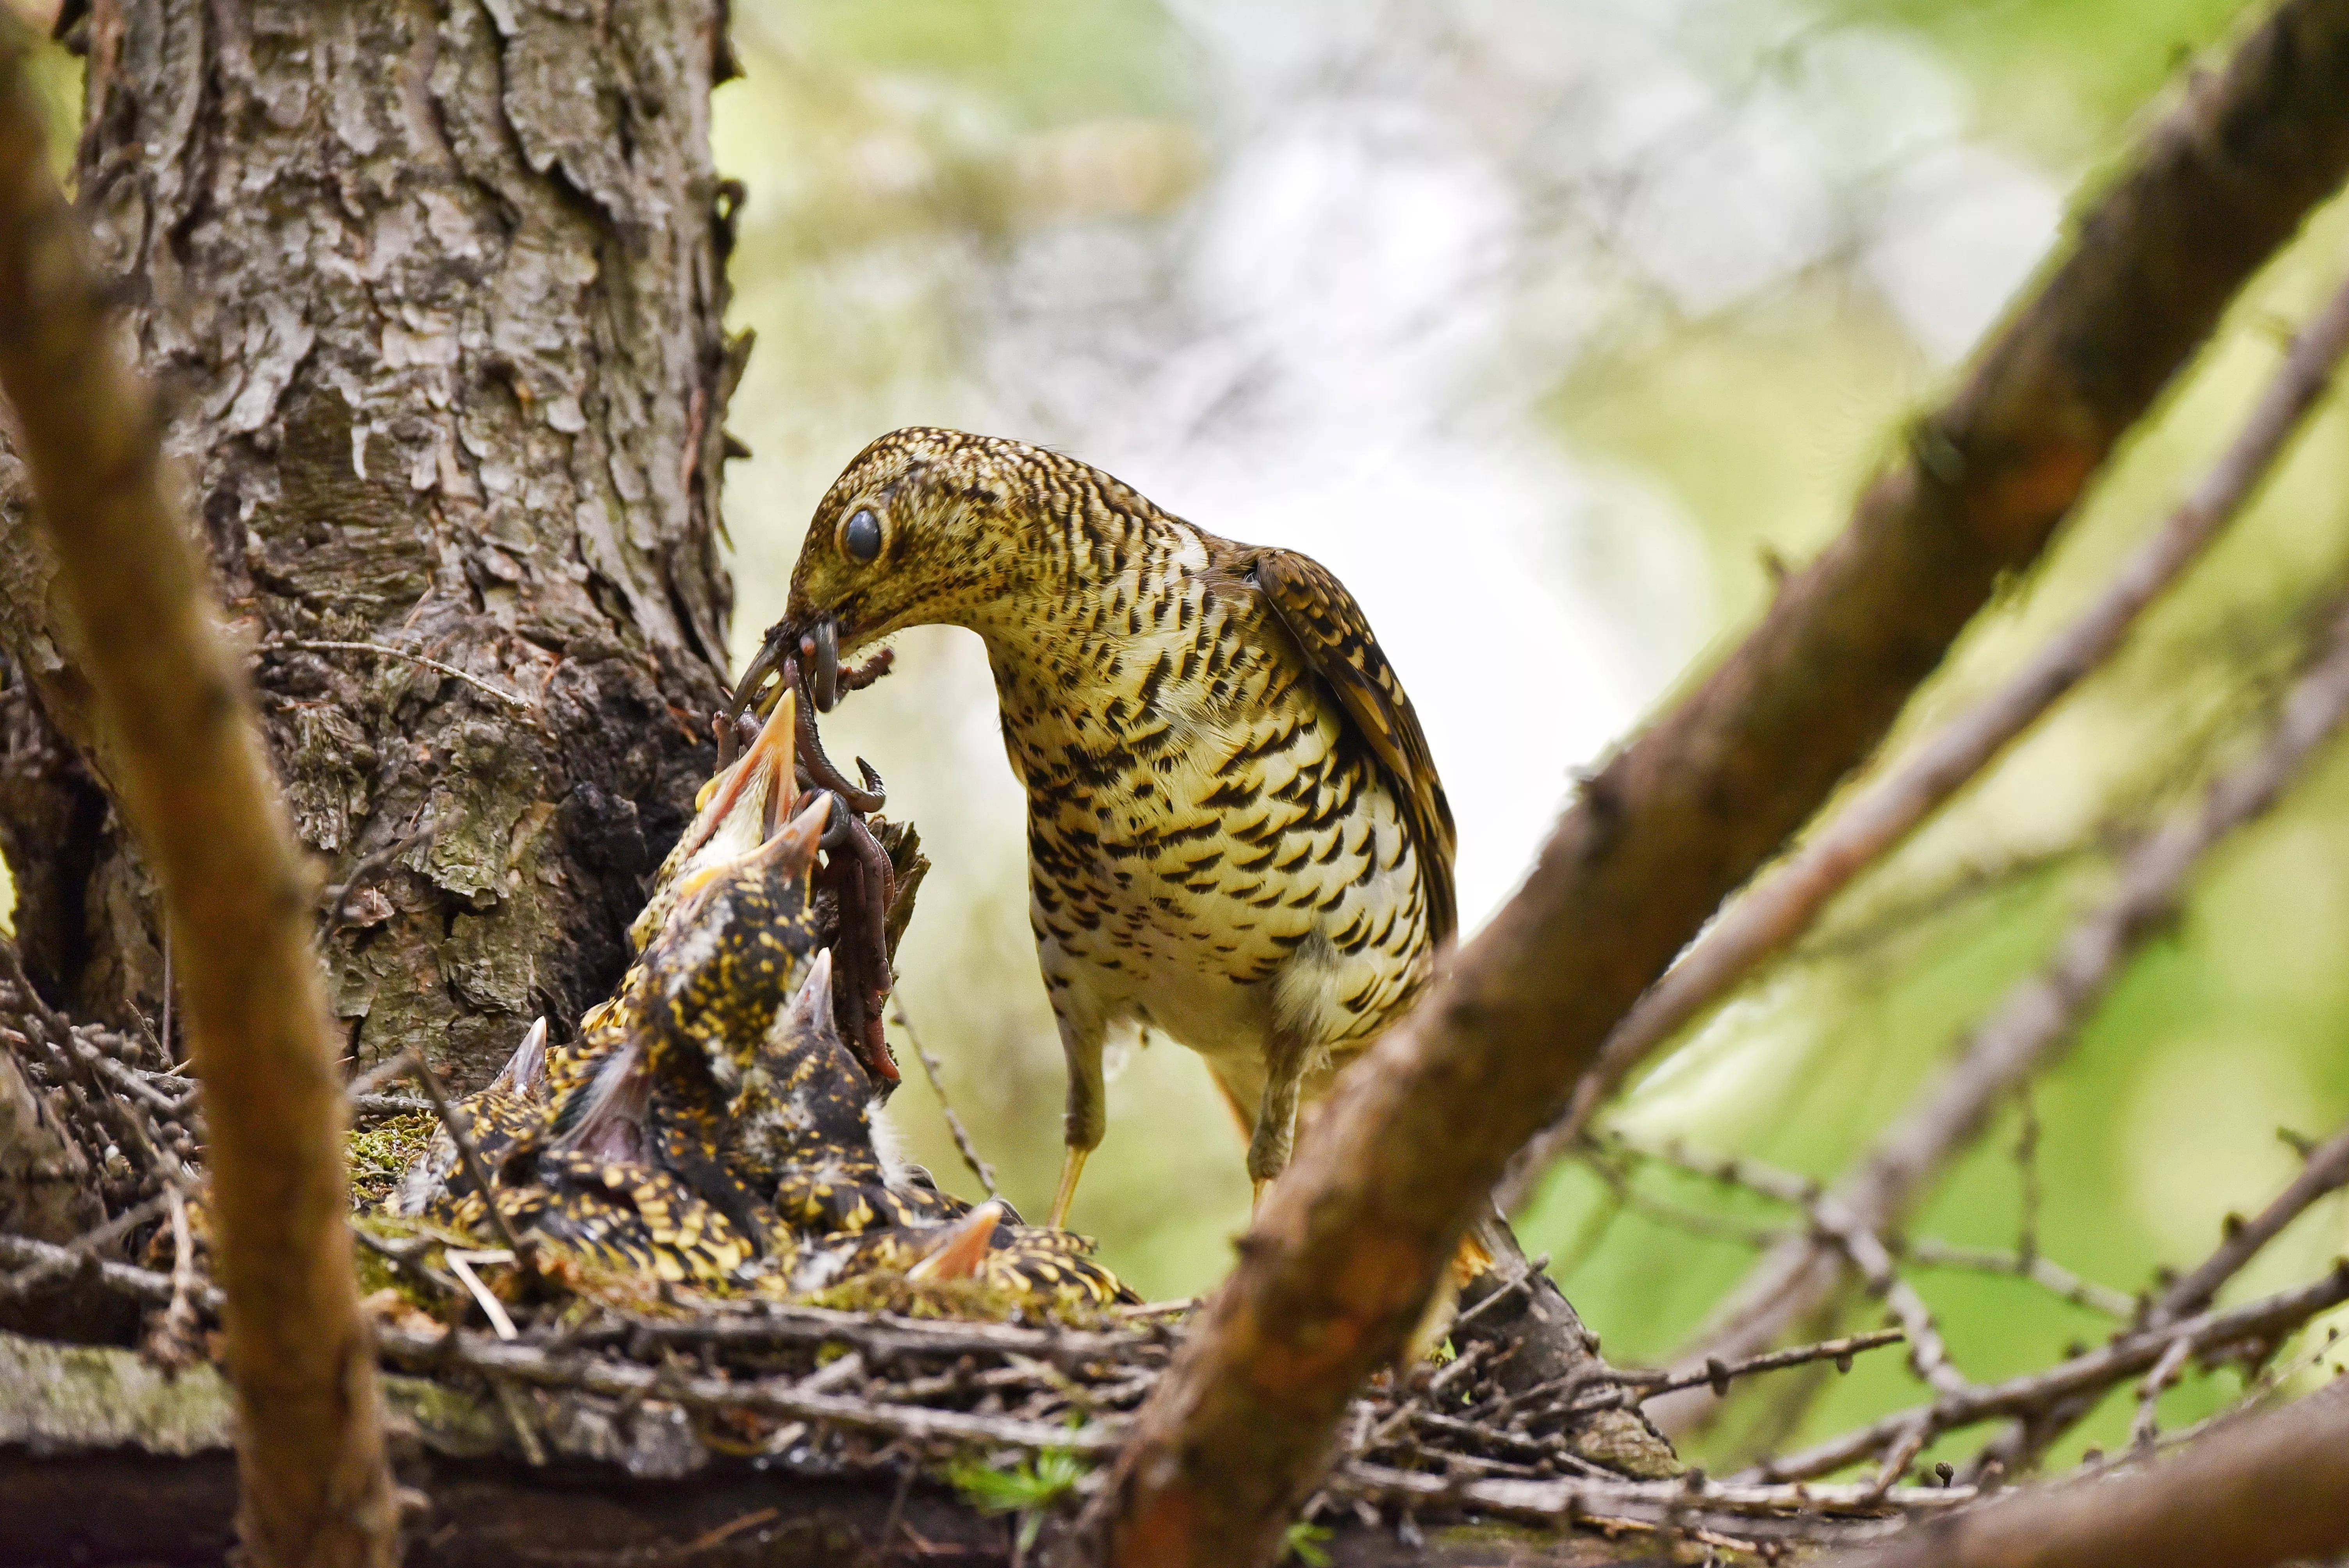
x=1304 y=1542
x=1843 y=1362
x=1028 y=1490
x=1716 y=1372
x=2232 y=1226
x=1944 y=1474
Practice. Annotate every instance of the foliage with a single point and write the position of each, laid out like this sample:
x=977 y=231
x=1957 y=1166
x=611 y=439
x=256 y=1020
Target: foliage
x=1029 y=1489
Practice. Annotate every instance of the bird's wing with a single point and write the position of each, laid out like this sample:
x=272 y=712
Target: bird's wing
x=1336 y=639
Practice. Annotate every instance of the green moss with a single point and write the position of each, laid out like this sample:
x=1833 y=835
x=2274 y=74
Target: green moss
x=379 y=1152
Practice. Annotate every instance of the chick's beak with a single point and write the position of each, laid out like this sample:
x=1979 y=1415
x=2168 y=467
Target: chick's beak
x=958 y=1254
x=793 y=846
x=771 y=759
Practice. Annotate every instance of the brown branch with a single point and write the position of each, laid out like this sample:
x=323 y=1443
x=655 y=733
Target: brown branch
x=2257 y=1324
x=962 y=1143
x=1748 y=1174
x=1769 y=918
x=195 y=784
x=2037 y=1267
x=2038 y=1017
x=2326 y=1172
x=125 y=1280
x=1354 y=1239
x=2264 y=1489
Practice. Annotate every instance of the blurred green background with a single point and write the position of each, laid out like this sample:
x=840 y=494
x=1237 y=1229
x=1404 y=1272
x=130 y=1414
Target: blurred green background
x=1550 y=324
x=1553 y=326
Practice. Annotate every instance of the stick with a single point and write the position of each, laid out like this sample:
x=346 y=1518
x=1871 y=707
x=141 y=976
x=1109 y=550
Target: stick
x=2036 y=1020
x=963 y=1145
x=1769 y=918
x=2326 y=1172
x=2094 y=1372
x=315 y=644
x=763 y=1395
x=2261 y=1489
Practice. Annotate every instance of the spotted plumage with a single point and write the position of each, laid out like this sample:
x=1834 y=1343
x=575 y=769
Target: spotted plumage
x=1236 y=835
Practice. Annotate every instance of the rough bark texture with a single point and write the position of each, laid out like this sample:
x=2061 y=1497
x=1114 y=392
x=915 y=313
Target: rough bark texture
x=436 y=295
x=1354 y=1238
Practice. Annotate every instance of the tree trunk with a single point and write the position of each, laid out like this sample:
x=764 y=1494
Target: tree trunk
x=436 y=294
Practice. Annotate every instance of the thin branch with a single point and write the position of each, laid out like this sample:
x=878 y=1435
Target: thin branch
x=2039 y=1269
x=77 y=1254
x=124 y=1279
x=2259 y=1324
x=182 y=749
x=763 y=1395
x=317 y=645
x=1655 y=1502
x=2166 y=1372
x=1766 y=920
x=963 y=1145
x=2264 y=1489
x=2325 y=1171
x=2036 y=1020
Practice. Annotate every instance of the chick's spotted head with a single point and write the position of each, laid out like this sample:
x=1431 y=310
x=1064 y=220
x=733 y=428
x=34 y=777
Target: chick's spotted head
x=927 y=526
x=806 y=1099
x=733 y=953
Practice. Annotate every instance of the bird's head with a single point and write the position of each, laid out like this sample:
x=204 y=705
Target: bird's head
x=925 y=527
x=807 y=1099
x=730 y=956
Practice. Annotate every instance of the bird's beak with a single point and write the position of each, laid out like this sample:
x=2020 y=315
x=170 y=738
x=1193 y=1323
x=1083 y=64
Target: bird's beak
x=782 y=641
x=770 y=756
x=816 y=644
x=811 y=1007
x=793 y=846
x=958 y=1253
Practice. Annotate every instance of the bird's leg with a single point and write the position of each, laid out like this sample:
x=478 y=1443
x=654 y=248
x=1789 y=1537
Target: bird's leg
x=1087 y=1117
x=1276 y=1114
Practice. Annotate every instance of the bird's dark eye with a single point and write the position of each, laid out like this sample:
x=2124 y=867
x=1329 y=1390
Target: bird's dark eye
x=862 y=536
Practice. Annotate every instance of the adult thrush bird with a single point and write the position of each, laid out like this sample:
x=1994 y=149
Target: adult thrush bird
x=1236 y=833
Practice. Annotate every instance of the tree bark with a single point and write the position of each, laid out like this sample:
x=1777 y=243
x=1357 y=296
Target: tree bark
x=436 y=295
x=1350 y=1242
